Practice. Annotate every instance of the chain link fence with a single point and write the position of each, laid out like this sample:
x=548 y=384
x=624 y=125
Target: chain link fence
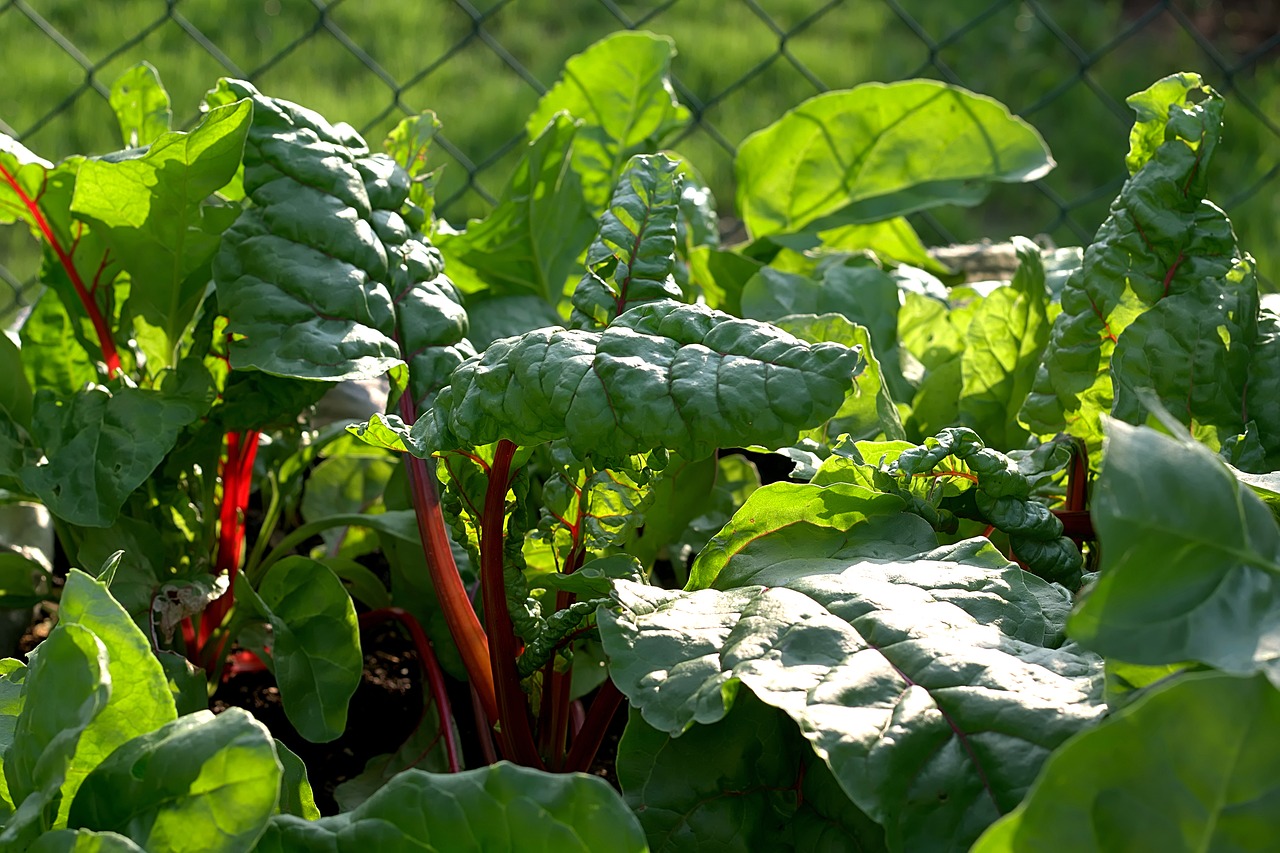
x=1065 y=67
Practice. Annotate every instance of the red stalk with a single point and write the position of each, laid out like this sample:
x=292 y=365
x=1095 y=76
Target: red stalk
x=460 y=616
x=554 y=716
x=435 y=675
x=109 y=354
x=516 y=733
x=588 y=740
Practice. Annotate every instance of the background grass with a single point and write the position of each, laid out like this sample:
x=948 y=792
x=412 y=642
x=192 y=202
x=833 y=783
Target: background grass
x=481 y=65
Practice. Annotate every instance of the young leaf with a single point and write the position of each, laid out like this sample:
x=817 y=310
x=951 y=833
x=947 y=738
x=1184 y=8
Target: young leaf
x=880 y=151
x=500 y=807
x=620 y=89
x=1191 y=559
x=316 y=649
x=637 y=240
x=1188 y=767
x=141 y=106
x=919 y=681
x=408 y=144
x=205 y=777
x=680 y=377
x=531 y=242
x=296 y=796
x=152 y=214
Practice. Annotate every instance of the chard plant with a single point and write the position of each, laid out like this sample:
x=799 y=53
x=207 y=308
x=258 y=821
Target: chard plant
x=1025 y=548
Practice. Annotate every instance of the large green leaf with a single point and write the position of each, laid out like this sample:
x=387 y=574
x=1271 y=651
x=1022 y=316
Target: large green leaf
x=532 y=241
x=200 y=783
x=1166 y=299
x=747 y=783
x=663 y=375
x=1190 y=559
x=67 y=686
x=315 y=651
x=102 y=444
x=880 y=151
x=1188 y=767
x=922 y=682
x=500 y=807
x=1005 y=338
x=47 y=358
x=621 y=91
x=323 y=278
x=152 y=213
x=631 y=261
x=140 y=698
x=83 y=841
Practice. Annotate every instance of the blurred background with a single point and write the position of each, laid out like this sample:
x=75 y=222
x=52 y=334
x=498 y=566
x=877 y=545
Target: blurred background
x=1065 y=66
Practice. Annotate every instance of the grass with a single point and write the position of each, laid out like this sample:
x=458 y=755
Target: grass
x=369 y=62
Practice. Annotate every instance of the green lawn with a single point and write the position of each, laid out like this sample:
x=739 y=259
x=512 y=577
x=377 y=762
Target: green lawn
x=729 y=63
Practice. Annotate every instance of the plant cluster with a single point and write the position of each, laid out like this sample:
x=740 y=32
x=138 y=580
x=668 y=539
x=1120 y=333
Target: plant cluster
x=1025 y=550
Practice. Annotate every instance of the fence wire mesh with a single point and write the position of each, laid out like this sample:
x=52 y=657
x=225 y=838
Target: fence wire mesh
x=1065 y=67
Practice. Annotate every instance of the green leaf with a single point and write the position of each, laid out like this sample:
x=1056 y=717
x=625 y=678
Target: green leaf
x=296 y=796
x=47 y=357
x=83 y=841
x=67 y=686
x=201 y=782
x=632 y=259
x=151 y=212
x=922 y=682
x=24 y=583
x=101 y=445
x=350 y=483
x=423 y=750
x=891 y=240
x=747 y=783
x=880 y=151
x=1188 y=767
x=680 y=377
x=868 y=411
x=500 y=807
x=408 y=144
x=322 y=277
x=532 y=241
x=23 y=179
x=141 y=106
x=620 y=89
x=1004 y=342
x=140 y=698
x=13 y=674
x=316 y=650
x=1191 y=559
x=15 y=394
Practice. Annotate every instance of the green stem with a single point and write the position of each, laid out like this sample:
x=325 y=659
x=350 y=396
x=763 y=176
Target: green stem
x=301 y=534
x=270 y=519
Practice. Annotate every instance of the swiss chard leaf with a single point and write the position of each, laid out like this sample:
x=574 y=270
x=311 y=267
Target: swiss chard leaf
x=205 y=777
x=662 y=375
x=83 y=841
x=921 y=682
x=141 y=105
x=620 y=89
x=880 y=151
x=1190 y=559
x=500 y=807
x=1122 y=786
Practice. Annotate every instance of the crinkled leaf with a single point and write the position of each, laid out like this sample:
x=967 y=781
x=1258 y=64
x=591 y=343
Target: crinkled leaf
x=322 y=278
x=315 y=650
x=101 y=445
x=680 y=377
x=1166 y=300
x=880 y=151
x=746 y=783
x=1190 y=767
x=620 y=89
x=868 y=412
x=531 y=242
x=500 y=807
x=201 y=782
x=67 y=686
x=1005 y=339
x=1191 y=559
x=921 y=682
x=633 y=257
x=151 y=212
x=141 y=106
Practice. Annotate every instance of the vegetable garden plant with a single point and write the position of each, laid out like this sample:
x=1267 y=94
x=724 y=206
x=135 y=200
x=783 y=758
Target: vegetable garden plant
x=1015 y=589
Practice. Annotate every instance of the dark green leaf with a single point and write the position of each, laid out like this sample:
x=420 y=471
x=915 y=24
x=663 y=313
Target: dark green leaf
x=203 y=779
x=24 y=583
x=423 y=750
x=15 y=394
x=83 y=841
x=1191 y=559
x=881 y=151
x=1189 y=767
x=500 y=807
